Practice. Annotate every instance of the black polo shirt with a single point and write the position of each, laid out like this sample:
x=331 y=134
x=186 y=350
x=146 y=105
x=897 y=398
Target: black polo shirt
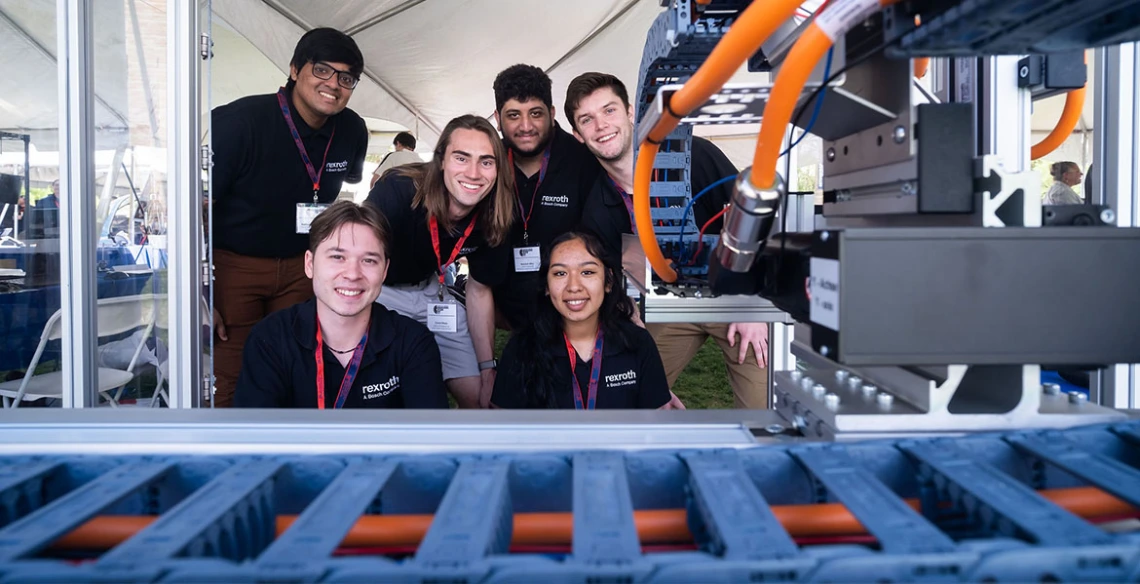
x=259 y=177
x=632 y=375
x=412 y=257
x=606 y=216
x=400 y=367
x=558 y=205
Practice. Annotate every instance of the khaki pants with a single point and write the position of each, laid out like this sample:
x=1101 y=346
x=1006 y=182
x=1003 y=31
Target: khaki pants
x=678 y=343
x=246 y=290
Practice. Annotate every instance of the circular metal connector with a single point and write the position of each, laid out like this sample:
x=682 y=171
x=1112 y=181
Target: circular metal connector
x=869 y=389
x=1051 y=388
x=831 y=154
x=884 y=399
x=854 y=382
x=1108 y=216
x=818 y=390
x=841 y=375
x=831 y=401
x=807 y=382
x=747 y=221
x=899 y=134
x=796 y=374
x=1076 y=397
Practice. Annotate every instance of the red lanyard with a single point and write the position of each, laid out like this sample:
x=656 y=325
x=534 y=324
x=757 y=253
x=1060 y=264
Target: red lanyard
x=349 y=374
x=434 y=226
x=595 y=372
x=518 y=196
x=314 y=174
x=628 y=200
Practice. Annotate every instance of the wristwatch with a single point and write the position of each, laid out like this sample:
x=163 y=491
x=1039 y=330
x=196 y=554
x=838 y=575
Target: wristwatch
x=485 y=365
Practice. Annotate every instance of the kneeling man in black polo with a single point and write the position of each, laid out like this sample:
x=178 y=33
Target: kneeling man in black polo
x=342 y=349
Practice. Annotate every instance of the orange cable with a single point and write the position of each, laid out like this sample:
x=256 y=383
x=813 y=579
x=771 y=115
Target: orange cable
x=753 y=26
x=790 y=81
x=1070 y=117
x=653 y=526
x=921 y=66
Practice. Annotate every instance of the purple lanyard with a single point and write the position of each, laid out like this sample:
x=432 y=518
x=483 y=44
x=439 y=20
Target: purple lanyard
x=595 y=373
x=349 y=374
x=525 y=214
x=314 y=174
x=628 y=200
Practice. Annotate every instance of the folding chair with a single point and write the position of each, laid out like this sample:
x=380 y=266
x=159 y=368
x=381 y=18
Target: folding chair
x=116 y=316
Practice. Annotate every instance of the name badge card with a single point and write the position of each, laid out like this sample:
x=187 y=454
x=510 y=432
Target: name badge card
x=442 y=317
x=527 y=259
x=306 y=212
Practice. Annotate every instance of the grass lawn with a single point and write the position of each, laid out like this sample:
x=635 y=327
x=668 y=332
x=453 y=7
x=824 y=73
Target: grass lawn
x=703 y=384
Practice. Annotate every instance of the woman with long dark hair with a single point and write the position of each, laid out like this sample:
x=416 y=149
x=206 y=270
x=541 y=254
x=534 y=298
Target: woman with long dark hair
x=582 y=350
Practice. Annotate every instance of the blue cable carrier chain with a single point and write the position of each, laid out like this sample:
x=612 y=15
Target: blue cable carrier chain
x=678 y=42
x=938 y=510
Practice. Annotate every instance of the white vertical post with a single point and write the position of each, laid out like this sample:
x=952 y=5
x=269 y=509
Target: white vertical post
x=184 y=192
x=78 y=235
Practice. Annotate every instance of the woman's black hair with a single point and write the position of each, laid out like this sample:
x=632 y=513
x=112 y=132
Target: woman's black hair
x=546 y=328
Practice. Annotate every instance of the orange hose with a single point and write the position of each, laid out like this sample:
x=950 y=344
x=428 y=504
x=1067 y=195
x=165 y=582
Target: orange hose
x=809 y=48
x=752 y=27
x=921 y=66
x=653 y=526
x=1070 y=116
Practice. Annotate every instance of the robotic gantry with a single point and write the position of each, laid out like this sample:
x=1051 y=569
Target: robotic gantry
x=933 y=288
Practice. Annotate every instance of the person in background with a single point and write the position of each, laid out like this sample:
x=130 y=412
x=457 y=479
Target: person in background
x=458 y=205
x=1066 y=175
x=582 y=349
x=51 y=201
x=342 y=349
x=404 y=153
x=279 y=160
x=598 y=108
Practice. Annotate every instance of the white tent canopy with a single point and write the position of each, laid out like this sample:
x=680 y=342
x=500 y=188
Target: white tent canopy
x=426 y=62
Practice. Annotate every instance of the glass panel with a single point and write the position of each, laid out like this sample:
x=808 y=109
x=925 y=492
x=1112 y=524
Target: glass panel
x=29 y=203
x=130 y=185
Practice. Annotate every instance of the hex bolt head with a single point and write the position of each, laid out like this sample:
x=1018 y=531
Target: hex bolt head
x=1051 y=388
x=841 y=375
x=796 y=374
x=818 y=390
x=854 y=381
x=807 y=382
x=884 y=399
x=1077 y=397
x=869 y=389
x=831 y=401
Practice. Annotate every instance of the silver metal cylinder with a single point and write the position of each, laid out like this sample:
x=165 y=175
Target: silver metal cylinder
x=747 y=221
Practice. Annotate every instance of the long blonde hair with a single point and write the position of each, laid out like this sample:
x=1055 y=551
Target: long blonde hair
x=496 y=210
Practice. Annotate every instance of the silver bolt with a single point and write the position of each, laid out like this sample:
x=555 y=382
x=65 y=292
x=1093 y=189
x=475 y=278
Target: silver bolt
x=841 y=375
x=884 y=399
x=831 y=154
x=854 y=381
x=907 y=188
x=1077 y=397
x=831 y=401
x=825 y=350
x=899 y=134
x=1108 y=216
x=796 y=374
x=807 y=382
x=1051 y=388
x=1023 y=71
x=869 y=389
x=774 y=429
x=818 y=390
x=824 y=236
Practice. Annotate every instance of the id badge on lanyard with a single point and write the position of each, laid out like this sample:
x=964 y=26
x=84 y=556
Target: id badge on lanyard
x=527 y=259
x=443 y=317
x=306 y=212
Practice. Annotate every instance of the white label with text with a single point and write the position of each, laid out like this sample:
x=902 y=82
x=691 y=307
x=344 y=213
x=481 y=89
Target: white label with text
x=824 y=292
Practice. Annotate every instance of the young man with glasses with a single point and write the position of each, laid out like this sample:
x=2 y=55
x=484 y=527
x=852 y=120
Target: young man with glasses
x=279 y=160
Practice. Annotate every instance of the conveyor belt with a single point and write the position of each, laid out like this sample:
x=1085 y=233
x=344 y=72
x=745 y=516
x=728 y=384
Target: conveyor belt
x=983 y=514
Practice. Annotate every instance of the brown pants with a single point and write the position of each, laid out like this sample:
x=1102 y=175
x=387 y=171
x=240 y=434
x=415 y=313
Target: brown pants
x=246 y=290
x=678 y=343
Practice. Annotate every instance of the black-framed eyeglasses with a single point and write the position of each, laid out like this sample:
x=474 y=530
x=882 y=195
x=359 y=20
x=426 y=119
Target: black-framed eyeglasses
x=343 y=78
